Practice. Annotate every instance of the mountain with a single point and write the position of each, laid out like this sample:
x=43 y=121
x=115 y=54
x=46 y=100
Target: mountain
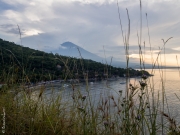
x=73 y=50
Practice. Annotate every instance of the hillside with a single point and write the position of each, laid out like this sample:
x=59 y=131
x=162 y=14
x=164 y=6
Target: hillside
x=28 y=65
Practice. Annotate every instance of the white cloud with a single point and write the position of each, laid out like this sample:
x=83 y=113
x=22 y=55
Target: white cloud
x=32 y=32
x=13 y=16
x=176 y=48
x=63 y=47
x=90 y=24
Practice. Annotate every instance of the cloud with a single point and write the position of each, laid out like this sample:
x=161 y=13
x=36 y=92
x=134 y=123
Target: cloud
x=5 y=6
x=90 y=24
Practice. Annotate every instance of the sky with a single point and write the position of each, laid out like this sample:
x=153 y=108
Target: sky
x=95 y=26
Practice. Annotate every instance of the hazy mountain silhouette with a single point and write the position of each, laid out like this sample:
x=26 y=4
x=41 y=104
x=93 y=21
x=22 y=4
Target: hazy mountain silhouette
x=73 y=50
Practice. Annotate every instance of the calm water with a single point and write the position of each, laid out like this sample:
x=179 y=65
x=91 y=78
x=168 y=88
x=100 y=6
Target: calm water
x=105 y=89
x=171 y=79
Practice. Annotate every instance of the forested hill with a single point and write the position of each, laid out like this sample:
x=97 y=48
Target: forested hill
x=19 y=64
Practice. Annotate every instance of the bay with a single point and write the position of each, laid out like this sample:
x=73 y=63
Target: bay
x=167 y=80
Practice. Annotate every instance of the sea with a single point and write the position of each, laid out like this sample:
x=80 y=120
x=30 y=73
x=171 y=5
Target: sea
x=163 y=82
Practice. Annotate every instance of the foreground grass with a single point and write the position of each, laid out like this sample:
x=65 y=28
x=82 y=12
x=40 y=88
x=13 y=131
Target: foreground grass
x=140 y=111
x=136 y=113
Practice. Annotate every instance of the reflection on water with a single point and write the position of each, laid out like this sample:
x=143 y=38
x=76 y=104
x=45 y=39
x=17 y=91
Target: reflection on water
x=95 y=90
x=171 y=83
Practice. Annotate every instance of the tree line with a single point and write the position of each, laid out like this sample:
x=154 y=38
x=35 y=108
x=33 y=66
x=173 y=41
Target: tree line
x=23 y=64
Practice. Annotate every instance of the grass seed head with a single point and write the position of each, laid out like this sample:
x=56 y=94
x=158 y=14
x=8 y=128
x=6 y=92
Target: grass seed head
x=143 y=84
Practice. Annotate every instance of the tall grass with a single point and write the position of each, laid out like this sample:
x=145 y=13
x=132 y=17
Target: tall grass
x=140 y=111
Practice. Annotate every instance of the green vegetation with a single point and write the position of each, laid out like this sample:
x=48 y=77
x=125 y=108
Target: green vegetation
x=22 y=63
x=136 y=110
